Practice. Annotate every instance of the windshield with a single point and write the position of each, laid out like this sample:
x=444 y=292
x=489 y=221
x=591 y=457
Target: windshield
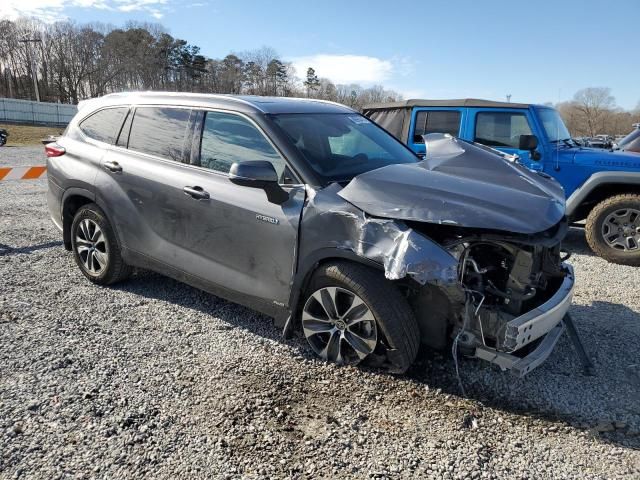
x=341 y=146
x=631 y=141
x=553 y=124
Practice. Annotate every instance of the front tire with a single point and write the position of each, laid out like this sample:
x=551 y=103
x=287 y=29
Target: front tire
x=95 y=247
x=352 y=314
x=613 y=229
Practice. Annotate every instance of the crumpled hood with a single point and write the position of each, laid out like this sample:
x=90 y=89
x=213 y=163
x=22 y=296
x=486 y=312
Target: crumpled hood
x=462 y=184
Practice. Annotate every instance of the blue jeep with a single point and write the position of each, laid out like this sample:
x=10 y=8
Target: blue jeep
x=602 y=187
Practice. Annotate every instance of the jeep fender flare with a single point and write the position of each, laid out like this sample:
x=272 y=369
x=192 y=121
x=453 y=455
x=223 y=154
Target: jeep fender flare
x=597 y=179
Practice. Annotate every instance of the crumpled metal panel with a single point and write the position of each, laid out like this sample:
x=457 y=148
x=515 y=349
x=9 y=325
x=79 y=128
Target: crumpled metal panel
x=461 y=184
x=330 y=222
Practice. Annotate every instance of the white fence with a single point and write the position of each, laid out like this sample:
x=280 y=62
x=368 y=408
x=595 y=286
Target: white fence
x=42 y=113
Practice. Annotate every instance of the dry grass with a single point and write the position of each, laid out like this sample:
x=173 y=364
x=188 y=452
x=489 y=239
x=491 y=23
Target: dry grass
x=28 y=134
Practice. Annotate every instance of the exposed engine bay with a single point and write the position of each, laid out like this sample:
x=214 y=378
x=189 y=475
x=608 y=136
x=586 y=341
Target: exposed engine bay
x=504 y=280
x=501 y=277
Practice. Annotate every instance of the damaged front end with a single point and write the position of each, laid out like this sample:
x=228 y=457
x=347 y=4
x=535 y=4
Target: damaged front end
x=513 y=293
x=475 y=239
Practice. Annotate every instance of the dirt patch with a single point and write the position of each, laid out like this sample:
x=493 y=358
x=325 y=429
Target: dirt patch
x=28 y=134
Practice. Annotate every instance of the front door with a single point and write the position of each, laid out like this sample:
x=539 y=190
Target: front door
x=233 y=235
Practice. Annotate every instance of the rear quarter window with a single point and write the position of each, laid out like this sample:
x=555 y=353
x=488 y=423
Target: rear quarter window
x=103 y=125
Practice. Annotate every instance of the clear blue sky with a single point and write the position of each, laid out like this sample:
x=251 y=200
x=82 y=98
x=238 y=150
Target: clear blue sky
x=536 y=51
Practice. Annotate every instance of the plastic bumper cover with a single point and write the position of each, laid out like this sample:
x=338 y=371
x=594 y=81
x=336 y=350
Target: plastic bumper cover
x=543 y=321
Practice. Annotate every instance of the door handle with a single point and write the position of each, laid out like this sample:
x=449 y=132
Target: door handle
x=112 y=166
x=196 y=192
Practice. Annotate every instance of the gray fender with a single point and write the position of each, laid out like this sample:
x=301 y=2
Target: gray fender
x=594 y=181
x=71 y=192
x=77 y=191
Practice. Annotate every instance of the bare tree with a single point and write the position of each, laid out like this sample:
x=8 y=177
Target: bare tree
x=593 y=104
x=74 y=61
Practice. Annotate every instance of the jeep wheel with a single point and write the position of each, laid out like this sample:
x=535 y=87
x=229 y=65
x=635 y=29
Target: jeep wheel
x=353 y=313
x=95 y=247
x=613 y=229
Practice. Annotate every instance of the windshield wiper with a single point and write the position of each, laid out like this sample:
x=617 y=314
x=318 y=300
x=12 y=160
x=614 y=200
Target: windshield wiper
x=569 y=142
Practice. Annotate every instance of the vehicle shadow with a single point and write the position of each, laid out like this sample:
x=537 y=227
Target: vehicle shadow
x=576 y=242
x=556 y=391
x=8 y=250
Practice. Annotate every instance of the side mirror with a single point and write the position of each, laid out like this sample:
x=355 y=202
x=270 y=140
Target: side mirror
x=259 y=174
x=530 y=143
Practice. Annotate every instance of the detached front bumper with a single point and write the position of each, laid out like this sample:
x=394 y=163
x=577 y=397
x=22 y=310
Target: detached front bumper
x=543 y=322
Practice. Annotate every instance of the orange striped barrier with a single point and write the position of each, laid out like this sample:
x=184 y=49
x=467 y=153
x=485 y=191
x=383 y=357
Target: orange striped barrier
x=22 y=173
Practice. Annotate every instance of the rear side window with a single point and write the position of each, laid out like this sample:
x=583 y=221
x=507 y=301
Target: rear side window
x=159 y=131
x=501 y=129
x=229 y=138
x=104 y=125
x=436 y=121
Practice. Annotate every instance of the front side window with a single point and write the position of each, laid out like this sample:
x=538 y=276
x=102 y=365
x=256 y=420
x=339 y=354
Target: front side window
x=340 y=146
x=501 y=129
x=229 y=138
x=436 y=121
x=104 y=125
x=159 y=131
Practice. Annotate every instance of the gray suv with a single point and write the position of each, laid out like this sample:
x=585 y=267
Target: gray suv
x=311 y=213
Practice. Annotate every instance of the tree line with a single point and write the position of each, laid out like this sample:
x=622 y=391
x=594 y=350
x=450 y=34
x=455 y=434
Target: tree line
x=593 y=111
x=76 y=61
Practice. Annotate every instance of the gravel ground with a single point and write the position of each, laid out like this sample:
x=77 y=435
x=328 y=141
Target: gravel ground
x=154 y=378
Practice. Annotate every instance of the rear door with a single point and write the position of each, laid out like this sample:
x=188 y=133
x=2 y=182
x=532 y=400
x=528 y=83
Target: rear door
x=438 y=120
x=134 y=185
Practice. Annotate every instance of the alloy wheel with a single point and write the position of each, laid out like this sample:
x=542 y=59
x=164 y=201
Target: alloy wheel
x=339 y=325
x=621 y=229
x=91 y=247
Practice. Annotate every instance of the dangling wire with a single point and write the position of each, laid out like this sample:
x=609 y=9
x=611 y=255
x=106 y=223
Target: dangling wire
x=454 y=347
x=467 y=307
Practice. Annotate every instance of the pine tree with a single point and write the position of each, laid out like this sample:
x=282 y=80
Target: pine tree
x=311 y=83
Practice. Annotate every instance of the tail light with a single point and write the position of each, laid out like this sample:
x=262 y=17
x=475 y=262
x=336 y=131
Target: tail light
x=54 y=150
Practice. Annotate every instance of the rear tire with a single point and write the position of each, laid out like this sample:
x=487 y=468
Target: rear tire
x=96 y=248
x=395 y=335
x=613 y=229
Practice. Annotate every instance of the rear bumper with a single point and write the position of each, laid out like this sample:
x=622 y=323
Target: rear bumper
x=543 y=322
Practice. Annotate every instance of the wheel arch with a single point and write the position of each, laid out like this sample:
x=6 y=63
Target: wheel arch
x=597 y=188
x=72 y=200
x=312 y=262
